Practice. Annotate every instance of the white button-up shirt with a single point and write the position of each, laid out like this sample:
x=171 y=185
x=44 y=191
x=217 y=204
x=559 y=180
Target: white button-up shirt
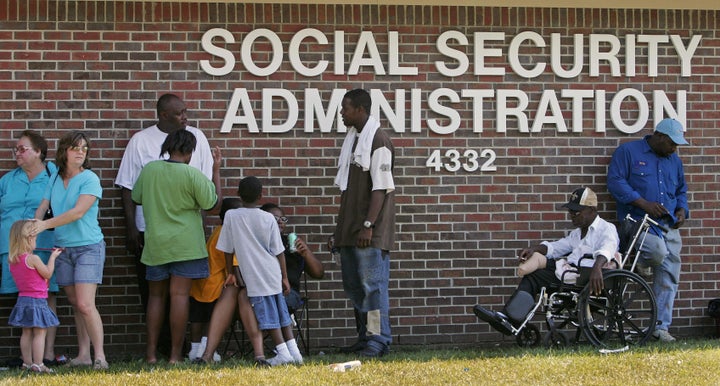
x=601 y=239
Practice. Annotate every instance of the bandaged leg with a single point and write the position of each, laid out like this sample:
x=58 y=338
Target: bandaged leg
x=532 y=264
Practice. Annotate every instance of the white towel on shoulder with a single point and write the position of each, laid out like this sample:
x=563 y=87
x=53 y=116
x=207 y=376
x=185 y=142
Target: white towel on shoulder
x=362 y=154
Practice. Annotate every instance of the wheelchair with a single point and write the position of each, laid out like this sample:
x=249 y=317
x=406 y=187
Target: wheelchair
x=623 y=315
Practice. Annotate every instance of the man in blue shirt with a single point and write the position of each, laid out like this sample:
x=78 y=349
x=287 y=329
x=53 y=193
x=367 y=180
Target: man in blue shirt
x=646 y=176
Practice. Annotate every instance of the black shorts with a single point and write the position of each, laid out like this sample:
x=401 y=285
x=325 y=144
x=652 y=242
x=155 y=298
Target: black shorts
x=200 y=312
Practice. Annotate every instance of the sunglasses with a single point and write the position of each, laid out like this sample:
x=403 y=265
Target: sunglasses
x=83 y=149
x=281 y=219
x=21 y=149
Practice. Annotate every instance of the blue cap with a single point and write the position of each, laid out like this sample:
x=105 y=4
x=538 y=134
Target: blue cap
x=672 y=129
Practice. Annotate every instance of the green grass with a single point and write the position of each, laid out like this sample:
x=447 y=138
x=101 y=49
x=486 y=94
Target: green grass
x=683 y=363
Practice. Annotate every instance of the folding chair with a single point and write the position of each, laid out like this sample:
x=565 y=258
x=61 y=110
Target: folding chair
x=301 y=320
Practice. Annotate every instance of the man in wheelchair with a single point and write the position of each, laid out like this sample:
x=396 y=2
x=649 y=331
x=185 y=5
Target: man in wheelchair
x=593 y=237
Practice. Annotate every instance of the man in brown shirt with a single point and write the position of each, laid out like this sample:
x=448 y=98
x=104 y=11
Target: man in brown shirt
x=366 y=222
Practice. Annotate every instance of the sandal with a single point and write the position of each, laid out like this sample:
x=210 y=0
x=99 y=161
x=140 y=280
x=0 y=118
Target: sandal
x=40 y=368
x=100 y=364
x=76 y=363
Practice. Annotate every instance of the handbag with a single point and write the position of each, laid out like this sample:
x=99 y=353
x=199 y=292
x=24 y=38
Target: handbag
x=49 y=212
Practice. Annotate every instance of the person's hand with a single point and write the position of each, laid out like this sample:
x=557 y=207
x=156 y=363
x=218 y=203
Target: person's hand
x=300 y=246
x=38 y=226
x=680 y=216
x=133 y=241
x=525 y=254
x=55 y=253
x=364 y=238
x=230 y=280
x=654 y=209
x=596 y=280
x=217 y=158
x=286 y=286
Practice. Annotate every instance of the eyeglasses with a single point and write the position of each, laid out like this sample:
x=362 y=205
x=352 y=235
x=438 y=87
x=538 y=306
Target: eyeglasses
x=281 y=219
x=83 y=149
x=21 y=149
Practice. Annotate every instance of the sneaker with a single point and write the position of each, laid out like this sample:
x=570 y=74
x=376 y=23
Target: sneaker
x=356 y=347
x=663 y=336
x=375 y=350
x=497 y=320
x=216 y=357
x=262 y=362
x=279 y=360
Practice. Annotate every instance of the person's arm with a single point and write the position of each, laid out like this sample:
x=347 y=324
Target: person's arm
x=283 y=270
x=596 y=277
x=377 y=198
x=230 y=279
x=83 y=204
x=45 y=271
x=217 y=162
x=313 y=266
x=133 y=242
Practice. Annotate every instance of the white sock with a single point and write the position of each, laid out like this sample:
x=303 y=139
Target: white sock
x=193 y=354
x=283 y=356
x=201 y=346
x=294 y=351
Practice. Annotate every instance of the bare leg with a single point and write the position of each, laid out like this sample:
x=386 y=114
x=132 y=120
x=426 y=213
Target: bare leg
x=250 y=324
x=51 y=331
x=38 y=344
x=277 y=336
x=85 y=308
x=83 y=357
x=220 y=320
x=26 y=341
x=157 y=297
x=179 y=308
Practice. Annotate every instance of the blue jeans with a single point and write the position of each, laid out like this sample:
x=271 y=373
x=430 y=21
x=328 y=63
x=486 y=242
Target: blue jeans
x=664 y=255
x=366 y=277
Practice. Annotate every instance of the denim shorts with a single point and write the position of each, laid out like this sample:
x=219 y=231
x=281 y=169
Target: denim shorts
x=271 y=311
x=82 y=264
x=189 y=269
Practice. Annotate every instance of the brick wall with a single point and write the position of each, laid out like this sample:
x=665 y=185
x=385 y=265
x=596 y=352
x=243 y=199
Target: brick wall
x=99 y=66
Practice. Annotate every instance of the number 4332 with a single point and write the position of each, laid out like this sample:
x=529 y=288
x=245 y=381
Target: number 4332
x=469 y=160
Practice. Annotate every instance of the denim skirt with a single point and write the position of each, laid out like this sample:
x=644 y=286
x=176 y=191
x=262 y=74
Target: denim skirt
x=32 y=312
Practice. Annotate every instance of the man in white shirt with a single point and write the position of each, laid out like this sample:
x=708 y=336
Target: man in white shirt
x=589 y=247
x=143 y=148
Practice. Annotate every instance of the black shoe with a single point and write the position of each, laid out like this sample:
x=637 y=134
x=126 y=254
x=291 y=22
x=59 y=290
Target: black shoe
x=496 y=320
x=261 y=362
x=357 y=347
x=375 y=350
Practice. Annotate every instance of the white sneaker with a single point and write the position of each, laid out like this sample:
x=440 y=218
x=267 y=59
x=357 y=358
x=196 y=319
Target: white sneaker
x=216 y=357
x=279 y=360
x=663 y=336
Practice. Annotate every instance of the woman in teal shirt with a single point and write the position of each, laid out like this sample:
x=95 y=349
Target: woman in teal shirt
x=74 y=196
x=21 y=191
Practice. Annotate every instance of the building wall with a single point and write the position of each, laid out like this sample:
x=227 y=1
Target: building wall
x=100 y=66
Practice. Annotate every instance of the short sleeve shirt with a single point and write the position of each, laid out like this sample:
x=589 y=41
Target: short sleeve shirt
x=172 y=195
x=144 y=147
x=253 y=235
x=19 y=199
x=86 y=230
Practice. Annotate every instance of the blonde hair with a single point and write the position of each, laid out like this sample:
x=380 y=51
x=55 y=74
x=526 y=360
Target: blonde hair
x=19 y=239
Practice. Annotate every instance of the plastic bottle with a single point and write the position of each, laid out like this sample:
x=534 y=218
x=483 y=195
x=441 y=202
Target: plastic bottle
x=292 y=237
x=342 y=367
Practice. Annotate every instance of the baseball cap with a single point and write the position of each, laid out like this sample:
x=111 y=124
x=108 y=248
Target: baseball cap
x=582 y=198
x=672 y=129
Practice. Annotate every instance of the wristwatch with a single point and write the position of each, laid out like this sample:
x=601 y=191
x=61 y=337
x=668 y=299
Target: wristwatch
x=368 y=225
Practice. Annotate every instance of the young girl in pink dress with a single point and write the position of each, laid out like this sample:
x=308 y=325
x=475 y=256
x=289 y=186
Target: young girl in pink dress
x=31 y=312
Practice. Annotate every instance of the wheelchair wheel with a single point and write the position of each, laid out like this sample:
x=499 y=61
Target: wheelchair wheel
x=529 y=336
x=555 y=340
x=623 y=315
